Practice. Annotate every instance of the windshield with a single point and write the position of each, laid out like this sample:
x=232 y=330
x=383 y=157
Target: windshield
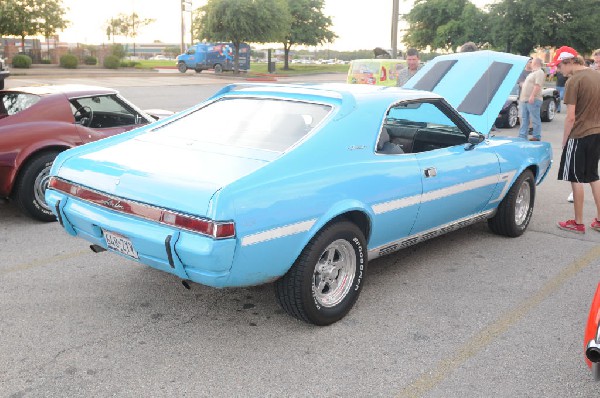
x=268 y=124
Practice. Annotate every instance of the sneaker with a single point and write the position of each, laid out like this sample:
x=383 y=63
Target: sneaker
x=595 y=225
x=571 y=225
x=570 y=198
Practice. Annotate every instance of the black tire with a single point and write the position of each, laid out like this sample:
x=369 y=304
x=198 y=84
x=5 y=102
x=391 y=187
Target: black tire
x=31 y=185
x=515 y=210
x=181 y=67
x=511 y=117
x=1 y=84
x=309 y=292
x=198 y=70
x=218 y=68
x=548 y=110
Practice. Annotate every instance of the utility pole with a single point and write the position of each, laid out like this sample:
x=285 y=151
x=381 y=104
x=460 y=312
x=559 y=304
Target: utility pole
x=395 y=16
x=186 y=6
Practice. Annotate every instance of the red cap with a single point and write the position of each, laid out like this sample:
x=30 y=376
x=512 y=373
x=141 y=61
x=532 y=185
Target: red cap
x=561 y=54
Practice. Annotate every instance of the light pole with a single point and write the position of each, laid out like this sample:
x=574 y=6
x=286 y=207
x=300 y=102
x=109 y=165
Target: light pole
x=395 y=14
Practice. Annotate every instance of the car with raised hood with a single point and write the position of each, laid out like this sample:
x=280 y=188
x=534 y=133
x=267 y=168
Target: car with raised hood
x=39 y=122
x=303 y=185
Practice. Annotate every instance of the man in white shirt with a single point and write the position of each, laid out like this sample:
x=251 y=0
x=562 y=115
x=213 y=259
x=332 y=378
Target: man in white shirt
x=530 y=101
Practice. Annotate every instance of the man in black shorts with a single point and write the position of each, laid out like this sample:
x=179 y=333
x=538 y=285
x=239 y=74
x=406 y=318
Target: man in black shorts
x=581 y=138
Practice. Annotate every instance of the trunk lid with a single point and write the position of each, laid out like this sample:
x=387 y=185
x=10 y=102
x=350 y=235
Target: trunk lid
x=178 y=174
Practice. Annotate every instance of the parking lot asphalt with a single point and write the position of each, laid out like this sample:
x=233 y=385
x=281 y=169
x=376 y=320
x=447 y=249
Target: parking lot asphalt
x=468 y=314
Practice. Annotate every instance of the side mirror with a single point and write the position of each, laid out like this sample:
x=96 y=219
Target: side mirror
x=474 y=139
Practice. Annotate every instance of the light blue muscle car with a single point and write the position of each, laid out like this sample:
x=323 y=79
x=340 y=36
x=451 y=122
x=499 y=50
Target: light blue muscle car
x=302 y=185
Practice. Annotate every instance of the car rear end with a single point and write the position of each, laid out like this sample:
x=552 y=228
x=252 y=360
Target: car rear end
x=188 y=246
x=155 y=195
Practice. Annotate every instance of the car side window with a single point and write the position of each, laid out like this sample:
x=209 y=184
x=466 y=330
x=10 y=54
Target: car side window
x=12 y=103
x=419 y=126
x=104 y=111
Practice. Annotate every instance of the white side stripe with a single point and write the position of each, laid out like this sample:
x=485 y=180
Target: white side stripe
x=507 y=177
x=279 y=232
x=396 y=204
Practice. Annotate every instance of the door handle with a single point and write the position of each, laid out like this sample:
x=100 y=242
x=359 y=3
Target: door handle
x=430 y=172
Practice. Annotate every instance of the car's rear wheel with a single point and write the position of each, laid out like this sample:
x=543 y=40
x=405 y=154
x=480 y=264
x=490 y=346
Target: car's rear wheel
x=218 y=68
x=31 y=186
x=548 y=110
x=325 y=281
x=181 y=67
x=514 y=212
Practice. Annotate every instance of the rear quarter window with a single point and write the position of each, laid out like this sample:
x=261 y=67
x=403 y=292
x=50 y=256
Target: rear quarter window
x=13 y=103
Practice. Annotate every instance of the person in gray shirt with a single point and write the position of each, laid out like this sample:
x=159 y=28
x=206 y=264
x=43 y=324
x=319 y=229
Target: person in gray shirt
x=413 y=65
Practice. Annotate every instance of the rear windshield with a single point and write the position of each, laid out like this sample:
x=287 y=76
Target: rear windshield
x=11 y=103
x=267 y=124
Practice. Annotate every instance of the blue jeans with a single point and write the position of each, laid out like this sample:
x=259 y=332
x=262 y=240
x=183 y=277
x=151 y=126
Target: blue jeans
x=531 y=112
x=561 y=92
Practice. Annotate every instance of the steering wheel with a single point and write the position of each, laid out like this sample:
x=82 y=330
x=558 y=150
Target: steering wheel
x=84 y=116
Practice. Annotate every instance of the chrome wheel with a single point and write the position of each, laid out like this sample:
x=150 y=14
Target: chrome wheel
x=522 y=203
x=551 y=110
x=40 y=185
x=513 y=116
x=334 y=273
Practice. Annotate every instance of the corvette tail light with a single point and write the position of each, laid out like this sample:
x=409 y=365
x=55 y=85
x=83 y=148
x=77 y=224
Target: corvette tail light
x=204 y=226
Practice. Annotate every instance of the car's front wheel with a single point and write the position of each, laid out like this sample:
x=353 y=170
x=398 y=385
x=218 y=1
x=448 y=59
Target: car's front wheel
x=218 y=68
x=514 y=212
x=325 y=281
x=182 y=67
x=548 y=110
x=31 y=186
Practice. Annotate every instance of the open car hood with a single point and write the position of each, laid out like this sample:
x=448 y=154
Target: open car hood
x=476 y=83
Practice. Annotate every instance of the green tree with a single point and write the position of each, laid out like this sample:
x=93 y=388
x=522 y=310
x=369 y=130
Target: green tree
x=309 y=26
x=444 y=24
x=112 y=28
x=522 y=25
x=24 y=18
x=127 y=25
x=238 y=21
x=52 y=19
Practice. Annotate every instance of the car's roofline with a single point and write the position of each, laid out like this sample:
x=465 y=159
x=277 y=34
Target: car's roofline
x=347 y=93
x=70 y=90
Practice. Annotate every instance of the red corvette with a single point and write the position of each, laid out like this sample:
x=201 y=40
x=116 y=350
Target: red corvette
x=36 y=123
x=591 y=339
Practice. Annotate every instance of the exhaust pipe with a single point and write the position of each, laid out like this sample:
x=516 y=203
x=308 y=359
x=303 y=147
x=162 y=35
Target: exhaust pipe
x=592 y=352
x=97 y=248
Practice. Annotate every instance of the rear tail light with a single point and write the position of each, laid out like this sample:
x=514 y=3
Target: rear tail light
x=204 y=226
x=219 y=230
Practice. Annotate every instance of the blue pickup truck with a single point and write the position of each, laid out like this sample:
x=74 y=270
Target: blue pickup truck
x=217 y=56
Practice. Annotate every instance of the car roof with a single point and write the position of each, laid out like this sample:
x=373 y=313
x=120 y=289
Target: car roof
x=327 y=92
x=70 y=90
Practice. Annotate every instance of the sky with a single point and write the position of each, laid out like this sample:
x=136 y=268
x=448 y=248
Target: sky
x=363 y=26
